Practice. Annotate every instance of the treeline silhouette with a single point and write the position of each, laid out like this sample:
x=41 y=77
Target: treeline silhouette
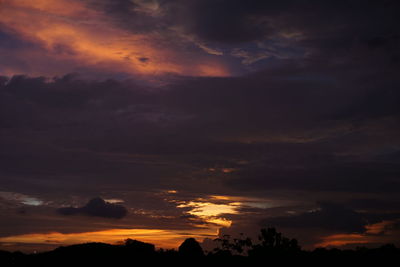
x=271 y=249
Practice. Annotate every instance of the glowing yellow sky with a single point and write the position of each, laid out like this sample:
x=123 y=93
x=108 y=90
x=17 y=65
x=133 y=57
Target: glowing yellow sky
x=68 y=29
x=215 y=208
x=211 y=212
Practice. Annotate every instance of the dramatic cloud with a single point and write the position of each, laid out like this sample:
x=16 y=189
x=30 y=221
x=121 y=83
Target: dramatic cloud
x=375 y=234
x=329 y=216
x=278 y=106
x=97 y=207
x=295 y=139
x=85 y=38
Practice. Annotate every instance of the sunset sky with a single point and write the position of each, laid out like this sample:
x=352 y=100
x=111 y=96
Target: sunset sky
x=160 y=120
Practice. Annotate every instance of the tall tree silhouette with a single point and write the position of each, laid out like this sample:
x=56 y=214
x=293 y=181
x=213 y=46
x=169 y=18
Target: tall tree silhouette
x=190 y=248
x=237 y=246
x=274 y=243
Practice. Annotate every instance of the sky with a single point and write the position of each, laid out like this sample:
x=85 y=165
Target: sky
x=160 y=120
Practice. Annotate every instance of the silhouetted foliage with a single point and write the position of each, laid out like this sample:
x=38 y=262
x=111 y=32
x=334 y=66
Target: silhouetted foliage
x=190 y=248
x=273 y=243
x=271 y=248
x=238 y=246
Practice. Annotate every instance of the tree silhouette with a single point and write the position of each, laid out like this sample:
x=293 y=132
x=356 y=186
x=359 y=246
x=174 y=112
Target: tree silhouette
x=274 y=243
x=190 y=248
x=237 y=246
x=272 y=248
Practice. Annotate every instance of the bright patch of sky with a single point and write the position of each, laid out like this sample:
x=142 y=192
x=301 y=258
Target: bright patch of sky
x=21 y=198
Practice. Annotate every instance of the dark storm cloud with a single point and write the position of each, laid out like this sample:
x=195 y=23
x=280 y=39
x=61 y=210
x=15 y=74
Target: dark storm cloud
x=340 y=23
x=331 y=217
x=41 y=102
x=224 y=21
x=298 y=126
x=97 y=207
x=374 y=204
x=243 y=21
x=70 y=92
x=336 y=174
x=131 y=15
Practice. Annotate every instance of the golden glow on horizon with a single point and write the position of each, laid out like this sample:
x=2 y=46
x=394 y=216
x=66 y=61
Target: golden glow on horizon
x=158 y=237
x=343 y=239
x=69 y=30
x=375 y=233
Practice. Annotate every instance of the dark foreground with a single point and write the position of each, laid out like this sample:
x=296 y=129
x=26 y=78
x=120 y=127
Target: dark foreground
x=272 y=250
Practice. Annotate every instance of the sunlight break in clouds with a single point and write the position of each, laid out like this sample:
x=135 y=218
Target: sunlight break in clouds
x=70 y=30
x=215 y=208
x=211 y=212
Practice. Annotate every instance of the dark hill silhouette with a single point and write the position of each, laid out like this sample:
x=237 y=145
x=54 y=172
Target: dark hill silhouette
x=272 y=248
x=140 y=248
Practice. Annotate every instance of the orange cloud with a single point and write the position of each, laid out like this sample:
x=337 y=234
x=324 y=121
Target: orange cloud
x=70 y=30
x=378 y=228
x=343 y=239
x=375 y=233
x=211 y=212
x=215 y=208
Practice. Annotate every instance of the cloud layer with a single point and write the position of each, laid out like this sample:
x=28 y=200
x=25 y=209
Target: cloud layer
x=97 y=207
x=293 y=104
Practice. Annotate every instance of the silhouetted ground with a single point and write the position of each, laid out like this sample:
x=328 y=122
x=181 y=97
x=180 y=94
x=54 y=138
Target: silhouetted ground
x=273 y=249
